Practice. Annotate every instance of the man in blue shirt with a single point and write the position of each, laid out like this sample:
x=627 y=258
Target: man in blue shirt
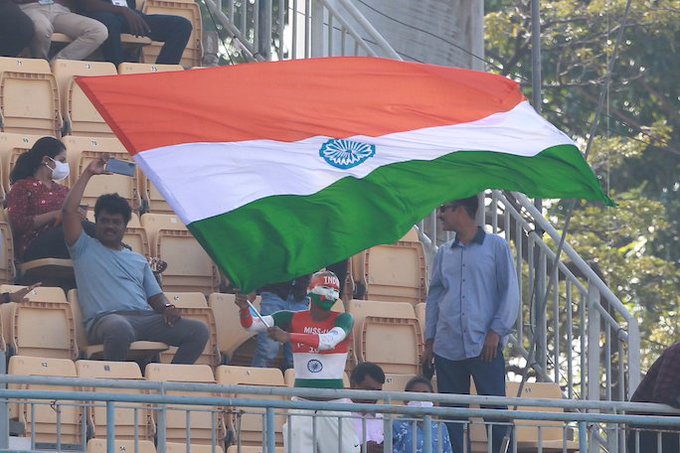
x=472 y=306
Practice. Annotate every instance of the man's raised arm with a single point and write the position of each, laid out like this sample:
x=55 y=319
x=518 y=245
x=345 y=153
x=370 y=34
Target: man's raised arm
x=71 y=218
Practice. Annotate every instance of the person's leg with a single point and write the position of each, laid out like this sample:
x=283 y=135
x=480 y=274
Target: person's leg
x=87 y=33
x=42 y=24
x=490 y=380
x=300 y=439
x=267 y=349
x=16 y=29
x=453 y=376
x=115 y=25
x=173 y=31
x=116 y=333
x=190 y=336
x=328 y=432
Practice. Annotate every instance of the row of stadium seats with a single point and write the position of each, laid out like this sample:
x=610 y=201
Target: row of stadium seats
x=242 y=425
x=39 y=99
x=386 y=333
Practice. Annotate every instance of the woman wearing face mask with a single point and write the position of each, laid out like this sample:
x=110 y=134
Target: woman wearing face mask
x=408 y=434
x=35 y=200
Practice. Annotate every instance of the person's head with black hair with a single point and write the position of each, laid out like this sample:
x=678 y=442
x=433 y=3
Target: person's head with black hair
x=367 y=376
x=460 y=216
x=419 y=384
x=44 y=161
x=112 y=214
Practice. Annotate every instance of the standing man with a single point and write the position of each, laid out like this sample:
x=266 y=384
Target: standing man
x=120 y=16
x=118 y=294
x=660 y=385
x=320 y=339
x=472 y=306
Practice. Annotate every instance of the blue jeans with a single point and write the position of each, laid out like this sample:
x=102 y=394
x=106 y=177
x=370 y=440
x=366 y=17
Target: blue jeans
x=268 y=349
x=453 y=376
x=173 y=31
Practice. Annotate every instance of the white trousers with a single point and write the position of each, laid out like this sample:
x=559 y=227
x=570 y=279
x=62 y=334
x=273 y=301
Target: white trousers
x=87 y=33
x=320 y=432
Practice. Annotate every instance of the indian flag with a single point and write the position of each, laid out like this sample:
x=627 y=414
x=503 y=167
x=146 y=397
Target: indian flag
x=279 y=169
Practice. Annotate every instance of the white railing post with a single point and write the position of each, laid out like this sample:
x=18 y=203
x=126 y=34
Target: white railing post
x=316 y=32
x=593 y=351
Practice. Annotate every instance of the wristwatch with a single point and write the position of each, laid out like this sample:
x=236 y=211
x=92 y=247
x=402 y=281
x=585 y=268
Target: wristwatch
x=166 y=306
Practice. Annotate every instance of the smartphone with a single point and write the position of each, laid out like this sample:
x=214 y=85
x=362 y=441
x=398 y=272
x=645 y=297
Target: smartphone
x=120 y=167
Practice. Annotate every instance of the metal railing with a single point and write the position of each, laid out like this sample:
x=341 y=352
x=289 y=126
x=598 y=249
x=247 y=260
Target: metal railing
x=294 y=29
x=580 y=418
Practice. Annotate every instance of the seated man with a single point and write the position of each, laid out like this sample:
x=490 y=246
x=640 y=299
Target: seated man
x=49 y=17
x=368 y=376
x=320 y=339
x=120 y=16
x=16 y=29
x=119 y=297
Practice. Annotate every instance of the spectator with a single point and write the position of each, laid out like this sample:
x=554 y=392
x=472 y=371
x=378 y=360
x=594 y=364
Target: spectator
x=16 y=29
x=120 y=16
x=660 y=385
x=320 y=339
x=116 y=286
x=35 y=200
x=17 y=296
x=290 y=296
x=368 y=376
x=50 y=17
x=406 y=432
x=472 y=305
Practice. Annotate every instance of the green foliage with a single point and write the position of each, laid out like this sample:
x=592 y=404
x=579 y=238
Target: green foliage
x=636 y=150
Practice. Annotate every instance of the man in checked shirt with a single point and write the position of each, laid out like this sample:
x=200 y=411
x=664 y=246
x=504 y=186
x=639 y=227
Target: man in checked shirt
x=661 y=385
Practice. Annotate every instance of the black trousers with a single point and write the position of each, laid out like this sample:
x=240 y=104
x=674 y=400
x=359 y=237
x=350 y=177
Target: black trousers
x=51 y=244
x=16 y=29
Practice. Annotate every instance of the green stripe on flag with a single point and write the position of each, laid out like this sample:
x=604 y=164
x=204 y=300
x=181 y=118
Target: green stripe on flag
x=281 y=237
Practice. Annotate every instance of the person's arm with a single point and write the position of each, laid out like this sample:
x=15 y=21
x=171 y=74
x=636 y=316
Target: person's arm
x=503 y=321
x=434 y=294
x=136 y=23
x=70 y=211
x=322 y=342
x=160 y=304
x=247 y=321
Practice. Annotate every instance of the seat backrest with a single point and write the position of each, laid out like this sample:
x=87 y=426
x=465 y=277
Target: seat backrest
x=187 y=300
x=526 y=430
x=126 y=422
x=125 y=186
x=387 y=333
x=98 y=445
x=45 y=416
x=12 y=145
x=420 y=315
x=76 y=108
x=76 y=145
x=29 y=97
x=193 y=53
x=202 y=417
x=211 y=353
x=396 y=272
x=189 y=266
x=7 y=270
x=153 y=223
x=230 y=334
x=56 y=335
x=143 y=68
x=249 y=428
x=81 y=335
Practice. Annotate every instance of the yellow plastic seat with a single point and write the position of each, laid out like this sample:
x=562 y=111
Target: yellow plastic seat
x=121 y=445
x=80 y=115
x=12 y=145
x=144 y=68
x=230 y=334
x=55 y=338
x=7 y=269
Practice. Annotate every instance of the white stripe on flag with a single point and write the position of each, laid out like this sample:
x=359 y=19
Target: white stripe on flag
x=202 y=180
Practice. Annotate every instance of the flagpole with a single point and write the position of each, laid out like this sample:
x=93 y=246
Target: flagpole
x=257 y=313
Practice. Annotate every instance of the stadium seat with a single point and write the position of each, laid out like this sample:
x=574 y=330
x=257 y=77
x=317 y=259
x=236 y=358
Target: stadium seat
x=55 y=337
x=387 y=333
x=189 y=266
x=396 y=382
x=44 y=414
x=123 y=446
x=12 y=145
x=396 y=272
x=203 y=419
x=247 y=423
x=230 y=334
x=138 y=349
x=7 y=269
x=420 y=315
x=125 y=186
x=175 y=447
x=126 y=421
x=194 y=306
x=29 y=97
x=40 y=294
x=193 y=53
x=80 y=116
x=76 y=145
x=143 y=68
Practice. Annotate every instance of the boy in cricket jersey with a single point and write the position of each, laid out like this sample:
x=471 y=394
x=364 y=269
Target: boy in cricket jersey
x=320 y=340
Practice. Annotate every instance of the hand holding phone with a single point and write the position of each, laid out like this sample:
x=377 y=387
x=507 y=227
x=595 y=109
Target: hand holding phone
x=120 y=167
